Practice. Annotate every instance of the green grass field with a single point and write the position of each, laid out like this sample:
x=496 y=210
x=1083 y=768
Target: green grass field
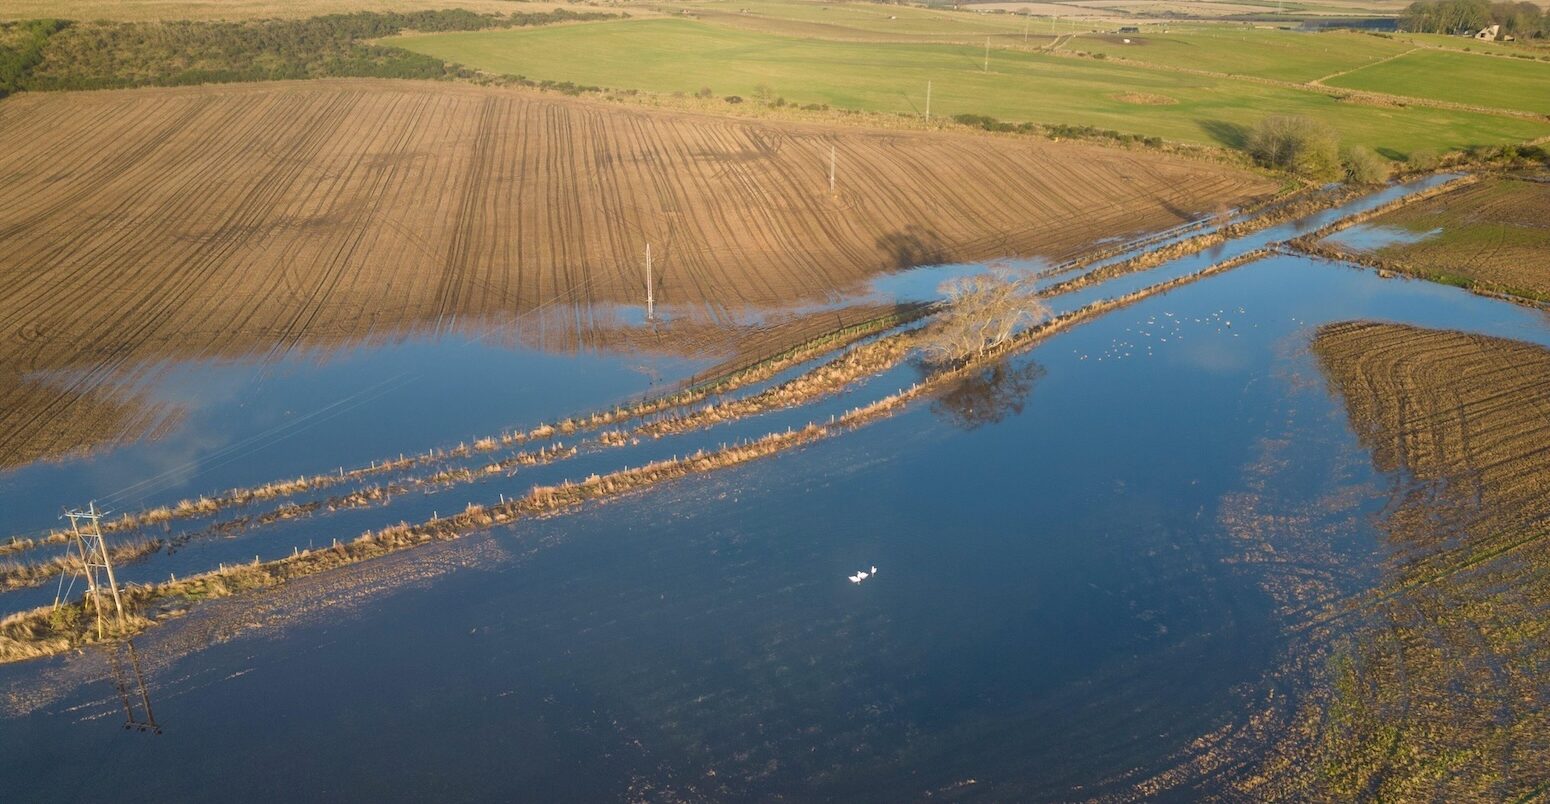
x=857 y=21
x=669 y=55
x=1459 y=77
x=1282 y=55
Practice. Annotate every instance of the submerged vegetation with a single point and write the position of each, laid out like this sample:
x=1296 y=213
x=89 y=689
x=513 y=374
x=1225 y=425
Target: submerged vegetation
x=1436 y=693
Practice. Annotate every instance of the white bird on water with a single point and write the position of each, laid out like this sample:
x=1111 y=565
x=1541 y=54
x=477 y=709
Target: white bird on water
x=862 y=575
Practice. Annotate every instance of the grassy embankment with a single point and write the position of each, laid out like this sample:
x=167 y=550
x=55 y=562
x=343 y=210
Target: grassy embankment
x=684 y=56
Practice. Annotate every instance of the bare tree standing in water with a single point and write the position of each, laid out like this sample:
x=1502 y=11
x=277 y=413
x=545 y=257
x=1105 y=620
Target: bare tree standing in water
x=981 y=312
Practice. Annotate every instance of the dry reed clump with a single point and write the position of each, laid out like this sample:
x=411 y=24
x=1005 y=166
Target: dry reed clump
x=1383 y=209
x=20 y=575
x=1279 y=213
x=732 y=380
x=832 y=377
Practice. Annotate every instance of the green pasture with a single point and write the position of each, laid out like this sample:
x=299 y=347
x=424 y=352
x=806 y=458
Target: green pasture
x=1459 y=77
x=855 y=18
x=1282 y=55
x=669 y=55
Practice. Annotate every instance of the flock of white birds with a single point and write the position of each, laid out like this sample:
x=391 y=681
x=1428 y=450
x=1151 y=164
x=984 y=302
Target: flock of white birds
x=863 y=575
x=1160 y=330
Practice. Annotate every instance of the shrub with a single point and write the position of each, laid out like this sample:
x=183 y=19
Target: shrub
x=704 y=92
x=99 y=55
x=733 y=99
x=1422 y=159
x=1362 y=166
x=1296 y=145
x=983 y=121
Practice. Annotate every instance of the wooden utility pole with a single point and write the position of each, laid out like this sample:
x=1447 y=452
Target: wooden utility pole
x=928 y=101
x=93 y=554
x=651 y=308
x=831 y=168
x=987 y=54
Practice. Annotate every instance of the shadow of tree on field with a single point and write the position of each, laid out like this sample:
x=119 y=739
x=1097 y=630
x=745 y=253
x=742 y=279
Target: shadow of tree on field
x=1231 y=135
x=988 y=396
x=912 y=246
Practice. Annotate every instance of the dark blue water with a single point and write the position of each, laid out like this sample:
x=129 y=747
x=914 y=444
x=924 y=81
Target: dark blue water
x=1066 y=598
x=253 y=421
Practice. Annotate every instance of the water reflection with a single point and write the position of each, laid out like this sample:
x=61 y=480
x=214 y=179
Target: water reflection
x=129 y=682
x=988 y=396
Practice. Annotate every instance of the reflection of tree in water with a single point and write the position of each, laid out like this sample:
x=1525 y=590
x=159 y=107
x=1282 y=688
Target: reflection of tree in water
x=989 y=395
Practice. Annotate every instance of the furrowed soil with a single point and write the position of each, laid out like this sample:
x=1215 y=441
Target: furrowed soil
x=1493 y=235
x=244 y=221
x=1437 y=692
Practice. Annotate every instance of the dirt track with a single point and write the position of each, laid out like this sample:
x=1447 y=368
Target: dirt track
x=240 y=220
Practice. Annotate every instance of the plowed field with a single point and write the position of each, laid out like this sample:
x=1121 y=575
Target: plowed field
x=1439 y=693
x=137 y=226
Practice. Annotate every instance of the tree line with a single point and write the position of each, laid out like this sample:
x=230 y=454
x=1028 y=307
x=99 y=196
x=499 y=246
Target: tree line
x=105 y=55
x=1521 y=19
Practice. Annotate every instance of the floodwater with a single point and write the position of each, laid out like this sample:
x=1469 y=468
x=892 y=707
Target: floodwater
x=1069 y=589
x=1371 y=237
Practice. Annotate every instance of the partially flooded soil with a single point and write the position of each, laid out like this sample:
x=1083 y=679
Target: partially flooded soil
x=1439 y=692
x=1491 y=236
x=1135 y=557
x=147 y=226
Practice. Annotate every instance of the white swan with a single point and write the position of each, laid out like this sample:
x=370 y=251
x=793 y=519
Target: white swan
x=874 y=569
x=855 y=578
x=863 y=575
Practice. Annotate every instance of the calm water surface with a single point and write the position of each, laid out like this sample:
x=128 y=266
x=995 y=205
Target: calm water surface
x=1062 y=602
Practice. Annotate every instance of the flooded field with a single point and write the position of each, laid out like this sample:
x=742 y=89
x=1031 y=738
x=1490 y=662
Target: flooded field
x=1120 y=562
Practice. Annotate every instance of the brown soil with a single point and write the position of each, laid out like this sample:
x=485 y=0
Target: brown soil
x=1438 y=693
x=1144 y=99
x=142 y=225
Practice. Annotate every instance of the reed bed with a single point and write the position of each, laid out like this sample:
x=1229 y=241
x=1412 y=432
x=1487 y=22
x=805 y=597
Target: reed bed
x=1383 y=209
x=1294 y=208
x=724 y=383
x=829 y=378
x=21 y=575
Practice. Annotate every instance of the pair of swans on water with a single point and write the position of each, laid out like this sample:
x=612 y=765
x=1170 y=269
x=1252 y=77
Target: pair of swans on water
x=863 y=575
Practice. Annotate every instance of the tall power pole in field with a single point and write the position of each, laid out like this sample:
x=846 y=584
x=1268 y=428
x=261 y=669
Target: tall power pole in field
x=928 y=101
x=831 y=168
x=651 y=308
x=92 y=551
